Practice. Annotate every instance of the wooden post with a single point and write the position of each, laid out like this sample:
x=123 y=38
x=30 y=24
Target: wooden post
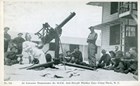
x=56 y=45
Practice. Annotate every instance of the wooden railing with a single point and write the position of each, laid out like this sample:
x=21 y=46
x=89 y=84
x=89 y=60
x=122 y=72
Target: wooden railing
x=126 y=6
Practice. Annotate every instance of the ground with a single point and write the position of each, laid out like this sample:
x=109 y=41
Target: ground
x=64 y=73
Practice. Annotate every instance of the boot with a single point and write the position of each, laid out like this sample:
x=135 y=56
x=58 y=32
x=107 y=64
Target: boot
x=126 y=71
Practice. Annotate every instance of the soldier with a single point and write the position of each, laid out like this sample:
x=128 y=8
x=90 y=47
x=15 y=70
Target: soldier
x=105 y=60
x=11 y=56
x=117 y=60
x=92 y=48
x=113 y=57
x=133 y=63
x=78 y=58
x=68 y=57
x=18 y=41
x=7 y=38
x=129 y=62
x=116 y=49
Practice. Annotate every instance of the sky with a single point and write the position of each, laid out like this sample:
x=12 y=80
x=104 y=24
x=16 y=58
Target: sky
x=29 y=16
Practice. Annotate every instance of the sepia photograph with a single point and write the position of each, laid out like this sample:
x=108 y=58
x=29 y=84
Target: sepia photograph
x=73 y=40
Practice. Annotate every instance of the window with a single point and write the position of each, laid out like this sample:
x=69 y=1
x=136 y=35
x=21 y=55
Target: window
x=52 y=46
x=72 y=47
x=115 y=34
x=114 y=7
x=130 y=31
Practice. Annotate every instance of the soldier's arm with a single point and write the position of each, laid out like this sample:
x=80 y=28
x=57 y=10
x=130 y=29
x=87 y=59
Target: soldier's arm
x=100 y=59
x=96 y=36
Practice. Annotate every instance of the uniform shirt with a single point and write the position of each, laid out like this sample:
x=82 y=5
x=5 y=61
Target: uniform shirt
x=105 y=59
x=12 y=55
x=78 y=55
x=18 y=41
x=7 y=37
x=92 y=38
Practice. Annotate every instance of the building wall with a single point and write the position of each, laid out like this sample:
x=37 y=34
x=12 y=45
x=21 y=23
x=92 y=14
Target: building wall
x=106 y=13
x=106 y=38
x=106 y=17
x=105 y=31
x=65 y=48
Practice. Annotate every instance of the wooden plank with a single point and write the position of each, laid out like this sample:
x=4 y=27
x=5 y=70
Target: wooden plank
x=49 y=64
x=78 y=66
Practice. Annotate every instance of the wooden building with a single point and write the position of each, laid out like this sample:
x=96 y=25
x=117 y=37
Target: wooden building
x=119 y=25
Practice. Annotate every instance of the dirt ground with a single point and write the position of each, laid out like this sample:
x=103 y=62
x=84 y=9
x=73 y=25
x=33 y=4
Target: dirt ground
x=13 y=73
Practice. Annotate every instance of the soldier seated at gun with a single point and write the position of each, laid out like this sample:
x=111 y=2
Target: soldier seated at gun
x=69 y=57
x=32 y=51
x=74 y=57
x=11 y=56
x=78 y=58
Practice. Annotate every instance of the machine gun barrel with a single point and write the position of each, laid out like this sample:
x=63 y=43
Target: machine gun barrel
x=66 y=20
x=57 y=30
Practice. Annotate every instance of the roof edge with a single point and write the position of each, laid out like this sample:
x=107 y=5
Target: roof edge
x=95 y=3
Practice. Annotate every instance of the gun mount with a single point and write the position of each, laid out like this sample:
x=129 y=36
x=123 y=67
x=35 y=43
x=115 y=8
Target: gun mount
x=47 y=33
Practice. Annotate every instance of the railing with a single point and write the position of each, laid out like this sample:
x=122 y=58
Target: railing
x=126 y=6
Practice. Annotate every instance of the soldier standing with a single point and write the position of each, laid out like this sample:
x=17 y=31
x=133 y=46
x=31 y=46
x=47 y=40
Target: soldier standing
x=18 y=41
x=92 y=48
x=7 y=38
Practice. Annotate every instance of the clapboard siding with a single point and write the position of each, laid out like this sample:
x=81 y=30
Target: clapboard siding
x=106 y=38
x=106 y=13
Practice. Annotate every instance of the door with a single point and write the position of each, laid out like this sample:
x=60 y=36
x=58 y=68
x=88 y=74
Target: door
x=131 y=38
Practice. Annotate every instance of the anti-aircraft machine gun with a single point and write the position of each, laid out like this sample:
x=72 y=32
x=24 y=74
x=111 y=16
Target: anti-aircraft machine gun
x=47 y=34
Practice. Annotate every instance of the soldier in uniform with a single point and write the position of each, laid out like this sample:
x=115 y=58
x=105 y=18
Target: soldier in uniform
x=18 y=41
x=7 y=38
x=105 y=60
x=78 y=58
x=92 y=48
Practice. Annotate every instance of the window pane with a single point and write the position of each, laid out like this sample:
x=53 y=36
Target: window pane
x=72 y=47
x=114 y=7
x=115 y=34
